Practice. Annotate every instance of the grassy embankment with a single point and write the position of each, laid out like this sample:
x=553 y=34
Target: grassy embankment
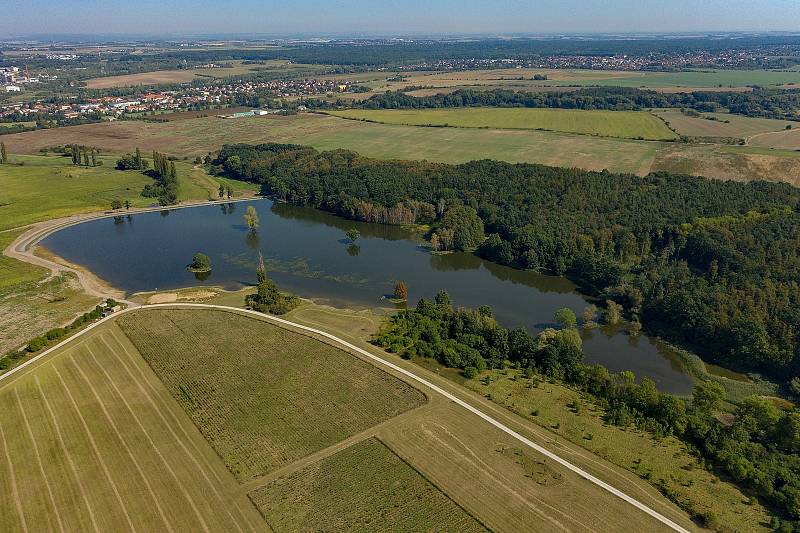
x=38 y=188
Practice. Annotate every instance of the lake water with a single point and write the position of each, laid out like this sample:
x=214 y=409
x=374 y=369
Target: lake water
x=307 y=253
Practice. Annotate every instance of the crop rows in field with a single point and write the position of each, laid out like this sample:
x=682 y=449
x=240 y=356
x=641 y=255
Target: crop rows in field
x=365 y=487
x=90 y=441
x=263 y=396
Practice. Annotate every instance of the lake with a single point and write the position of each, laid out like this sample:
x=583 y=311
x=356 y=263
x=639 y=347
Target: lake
x=306 y=253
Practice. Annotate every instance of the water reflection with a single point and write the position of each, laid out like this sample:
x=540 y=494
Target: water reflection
x=303 y=252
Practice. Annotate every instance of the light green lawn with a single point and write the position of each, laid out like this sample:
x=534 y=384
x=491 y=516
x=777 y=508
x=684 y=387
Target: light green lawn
x=36 y=188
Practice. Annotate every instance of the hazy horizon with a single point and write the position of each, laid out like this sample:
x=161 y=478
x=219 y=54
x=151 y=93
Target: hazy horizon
x=25 y=18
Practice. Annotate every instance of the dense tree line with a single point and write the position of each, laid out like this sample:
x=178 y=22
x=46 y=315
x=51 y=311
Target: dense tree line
x=769 y=103
x=758 y=449
x=711 y=263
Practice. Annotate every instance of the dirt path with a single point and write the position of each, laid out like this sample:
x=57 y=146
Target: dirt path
x=428 y=385
x=23 y=248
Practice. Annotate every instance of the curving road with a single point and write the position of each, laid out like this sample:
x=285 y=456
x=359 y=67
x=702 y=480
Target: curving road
x=499 y=425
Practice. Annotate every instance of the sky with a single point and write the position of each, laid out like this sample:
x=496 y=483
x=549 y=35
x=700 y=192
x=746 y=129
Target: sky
x=391 y=17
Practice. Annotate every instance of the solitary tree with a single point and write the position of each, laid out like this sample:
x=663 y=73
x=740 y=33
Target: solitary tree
x=261 y=270
x=251 y=218
x=401 y=291
x=200 y=263
x=3 y=153
x=566 y=318
x=221 y=191
x=613 y=312
x=353 y=234
x=116 y=204
x=127 y=204
x=230 y=192
x=94 y=158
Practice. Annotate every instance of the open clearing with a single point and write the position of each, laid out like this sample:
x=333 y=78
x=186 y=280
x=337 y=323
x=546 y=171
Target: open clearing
x=625 y=124
x=786 y=139
x=365 y=487
x=714 y=124
x=91 y=440
x=196 y=137
x=256 y=408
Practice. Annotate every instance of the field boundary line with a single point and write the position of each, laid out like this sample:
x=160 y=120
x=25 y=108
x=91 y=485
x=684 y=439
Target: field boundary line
x=499 y=425
x=39 y=460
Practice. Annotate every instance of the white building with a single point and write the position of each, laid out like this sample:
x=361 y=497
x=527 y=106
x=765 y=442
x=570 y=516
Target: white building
x=13 y=89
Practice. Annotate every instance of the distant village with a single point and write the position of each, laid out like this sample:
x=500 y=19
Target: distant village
x=202 y=97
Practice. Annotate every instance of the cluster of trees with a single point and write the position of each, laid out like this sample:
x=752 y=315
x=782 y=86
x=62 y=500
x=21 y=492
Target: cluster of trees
x=132 y=162
x=3 y=154
x=761 y=102
x=758 y=449
x=268 y=299
x=166 y=186
x=715 y=264
x=85 y=155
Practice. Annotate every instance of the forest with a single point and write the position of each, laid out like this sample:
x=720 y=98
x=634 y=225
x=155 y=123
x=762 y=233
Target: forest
x=710 y=264
x=758 y=449
x=761 y=102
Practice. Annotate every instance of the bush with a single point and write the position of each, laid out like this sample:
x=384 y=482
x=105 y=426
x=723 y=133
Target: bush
x=470 y=372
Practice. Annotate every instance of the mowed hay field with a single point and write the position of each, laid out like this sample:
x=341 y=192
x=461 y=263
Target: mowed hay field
x=91 y=440
x=365 y=487
x=625 y=124
x=263 y=396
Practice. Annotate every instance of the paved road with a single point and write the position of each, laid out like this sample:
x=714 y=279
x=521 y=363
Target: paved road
x=336 y=340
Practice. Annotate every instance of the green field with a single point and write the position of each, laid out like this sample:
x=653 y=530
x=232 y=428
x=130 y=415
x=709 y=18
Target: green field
x=256 y=391
x=655 y=459
x=365 y=487
x=190 y=138
x=625 y=124
x=692 y=79
x=91 y=440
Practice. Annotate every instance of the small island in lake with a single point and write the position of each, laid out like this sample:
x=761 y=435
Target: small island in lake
x=200 y=263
